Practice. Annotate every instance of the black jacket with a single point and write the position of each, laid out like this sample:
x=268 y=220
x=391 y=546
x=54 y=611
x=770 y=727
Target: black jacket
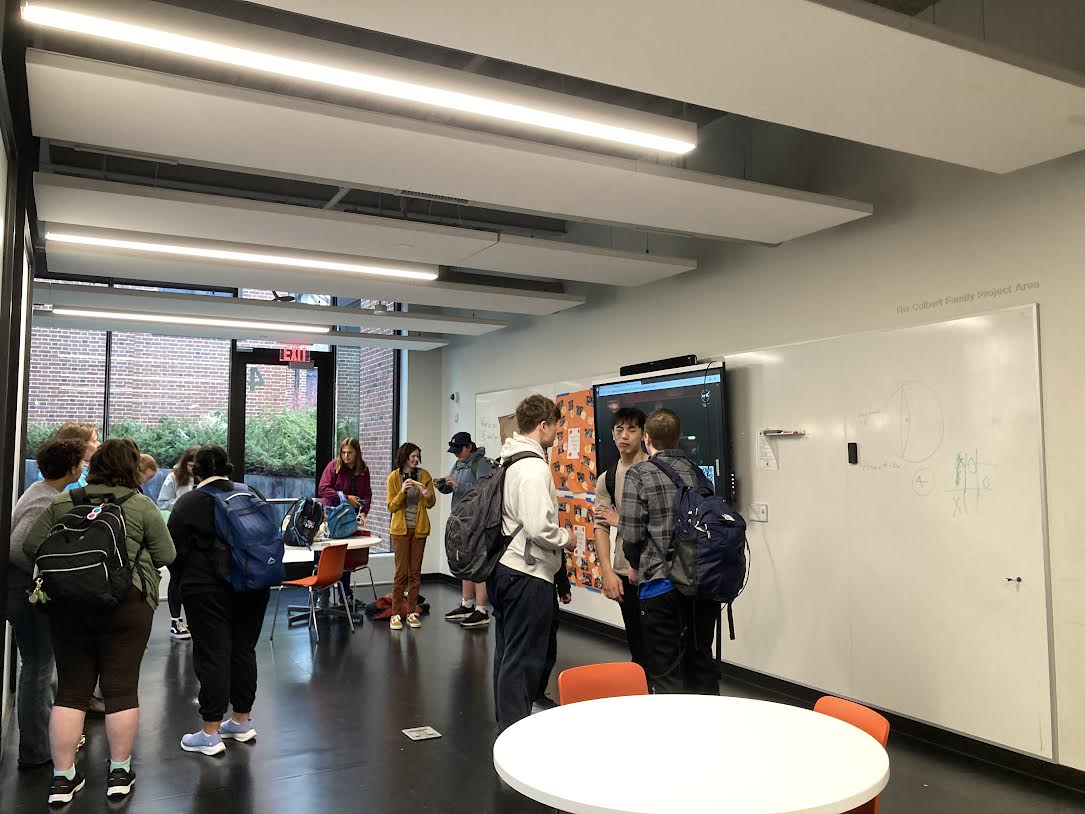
x=202 y=559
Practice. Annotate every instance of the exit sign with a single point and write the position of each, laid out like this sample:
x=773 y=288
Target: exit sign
x=294 y=353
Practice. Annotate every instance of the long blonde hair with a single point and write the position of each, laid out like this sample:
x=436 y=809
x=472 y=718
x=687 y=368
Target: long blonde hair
x=360 y=467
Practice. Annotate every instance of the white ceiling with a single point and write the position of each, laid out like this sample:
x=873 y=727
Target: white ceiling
x=69 y=259
x=841 y=67
x=104 y=204
x=129 y=299
x=106 y=105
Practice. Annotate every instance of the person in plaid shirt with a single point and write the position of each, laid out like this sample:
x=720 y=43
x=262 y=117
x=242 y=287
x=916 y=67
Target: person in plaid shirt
x=677 y=629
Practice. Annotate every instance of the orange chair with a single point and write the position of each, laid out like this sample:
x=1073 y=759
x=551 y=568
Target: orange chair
x=329 y=572
x=863 y=718
x=601 y=681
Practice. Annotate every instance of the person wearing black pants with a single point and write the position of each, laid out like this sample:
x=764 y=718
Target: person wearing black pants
x=563 y=592
x=225 y=623
x=522 y=587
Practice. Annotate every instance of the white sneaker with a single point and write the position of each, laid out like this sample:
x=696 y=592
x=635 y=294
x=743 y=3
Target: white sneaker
x=179 y=630
x=395 y=623
x=413 y=620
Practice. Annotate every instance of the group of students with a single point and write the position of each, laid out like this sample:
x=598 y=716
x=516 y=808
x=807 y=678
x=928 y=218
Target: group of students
x=93 y=646
x=669 y=633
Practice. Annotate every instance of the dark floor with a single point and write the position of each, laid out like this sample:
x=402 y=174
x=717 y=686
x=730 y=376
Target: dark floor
x=330 y=716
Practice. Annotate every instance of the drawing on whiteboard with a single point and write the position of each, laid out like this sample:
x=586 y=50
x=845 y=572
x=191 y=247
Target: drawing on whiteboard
x=971 y=480
x=915 y=422
x=923 y=481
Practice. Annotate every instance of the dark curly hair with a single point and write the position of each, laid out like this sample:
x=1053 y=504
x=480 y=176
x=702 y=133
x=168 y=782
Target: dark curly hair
x=211 y=461
x=57 y=458
x=116 y=463
x=404 y=452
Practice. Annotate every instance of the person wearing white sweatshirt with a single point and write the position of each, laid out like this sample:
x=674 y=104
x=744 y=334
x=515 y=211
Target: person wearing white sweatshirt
x=521 y=588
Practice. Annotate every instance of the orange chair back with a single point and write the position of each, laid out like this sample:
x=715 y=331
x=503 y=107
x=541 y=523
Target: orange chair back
x=330 y=568
x=863 y=718
x=601 y=681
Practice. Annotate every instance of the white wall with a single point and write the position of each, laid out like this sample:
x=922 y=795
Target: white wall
x=937 y=230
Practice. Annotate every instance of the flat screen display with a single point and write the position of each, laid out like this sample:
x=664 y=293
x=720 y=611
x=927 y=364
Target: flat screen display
x=697 y=396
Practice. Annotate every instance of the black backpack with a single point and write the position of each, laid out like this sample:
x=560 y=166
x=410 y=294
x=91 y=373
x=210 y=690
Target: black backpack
x=474 y=541
x=302 y=522
x=83 y=563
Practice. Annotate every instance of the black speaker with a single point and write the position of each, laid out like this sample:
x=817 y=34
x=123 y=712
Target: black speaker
x=659 y=364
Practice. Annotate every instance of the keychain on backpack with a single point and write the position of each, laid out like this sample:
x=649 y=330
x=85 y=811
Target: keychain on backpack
x=37 y=596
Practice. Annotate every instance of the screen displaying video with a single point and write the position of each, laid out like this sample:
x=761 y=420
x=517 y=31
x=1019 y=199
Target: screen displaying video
x=697 y=398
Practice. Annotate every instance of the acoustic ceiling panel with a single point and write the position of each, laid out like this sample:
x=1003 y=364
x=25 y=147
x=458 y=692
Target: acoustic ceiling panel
x=106 y=105
x=200 y=305
x=83 y=262
x=842 y=67
x=109 y=205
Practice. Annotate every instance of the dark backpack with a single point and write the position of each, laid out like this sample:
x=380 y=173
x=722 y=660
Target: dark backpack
x=474 y=541
x=707 y=558
x=83 y=563
x=302 y=522
x=246 y=523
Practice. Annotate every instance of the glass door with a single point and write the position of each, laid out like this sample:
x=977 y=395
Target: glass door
x=281 y=420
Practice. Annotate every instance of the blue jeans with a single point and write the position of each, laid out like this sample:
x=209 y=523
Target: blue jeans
x=36 y=687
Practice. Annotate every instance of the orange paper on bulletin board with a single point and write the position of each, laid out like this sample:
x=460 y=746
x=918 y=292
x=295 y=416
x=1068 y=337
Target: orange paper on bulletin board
x=574 y=456
x=582 y=565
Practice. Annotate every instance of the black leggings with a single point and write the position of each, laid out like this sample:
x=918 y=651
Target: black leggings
x=225 y=626
x=173 y=593
x=101 y=647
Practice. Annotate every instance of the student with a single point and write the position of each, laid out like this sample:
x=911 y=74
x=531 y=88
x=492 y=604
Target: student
x=60 y=463
x=522 y=586
x=627 y=428
x=148 y=468
x=347 y=474
x=677 y=629
x=104 y=645
x=177 y=483
x=225 y=623
x=410 y=496
x=78 y=431
x=471 y=464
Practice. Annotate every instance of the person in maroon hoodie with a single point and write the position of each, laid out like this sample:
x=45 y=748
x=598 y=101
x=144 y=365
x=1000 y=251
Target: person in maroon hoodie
x=347 y=475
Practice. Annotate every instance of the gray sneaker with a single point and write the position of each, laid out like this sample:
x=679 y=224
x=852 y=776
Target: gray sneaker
x=480 y=618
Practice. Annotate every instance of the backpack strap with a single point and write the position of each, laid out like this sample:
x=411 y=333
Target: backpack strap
x=611 y=480
x=669 y=472
x=79 y=497
x=117 y=501
x=529 y=558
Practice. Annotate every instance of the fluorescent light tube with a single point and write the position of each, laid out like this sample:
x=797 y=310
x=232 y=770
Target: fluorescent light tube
x=234 y=256
x=128 y=316
x=342 y=78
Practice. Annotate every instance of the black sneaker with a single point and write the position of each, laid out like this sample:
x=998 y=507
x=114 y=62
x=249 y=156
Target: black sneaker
x=480 y=618
x=179 y=630
x=62 y=790
x=458 y=615
x=120 y=783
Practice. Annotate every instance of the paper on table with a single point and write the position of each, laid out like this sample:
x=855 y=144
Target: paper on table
x=766 y=457
x=572 y=448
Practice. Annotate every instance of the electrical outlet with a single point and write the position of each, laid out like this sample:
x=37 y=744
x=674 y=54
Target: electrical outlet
x=759 y=512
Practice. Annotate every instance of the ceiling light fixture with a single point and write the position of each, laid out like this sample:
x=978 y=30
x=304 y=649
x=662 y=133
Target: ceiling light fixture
x=128 y=316
x=339 y=77
x=235 y=256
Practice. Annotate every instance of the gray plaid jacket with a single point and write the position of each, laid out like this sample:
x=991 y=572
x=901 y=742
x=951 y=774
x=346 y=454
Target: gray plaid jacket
x=647 y=512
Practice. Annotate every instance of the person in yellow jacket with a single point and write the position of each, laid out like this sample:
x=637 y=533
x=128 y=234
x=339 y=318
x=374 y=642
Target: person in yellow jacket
x=411 y=494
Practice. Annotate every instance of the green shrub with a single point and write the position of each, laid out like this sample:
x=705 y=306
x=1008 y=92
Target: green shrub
x=279 y=443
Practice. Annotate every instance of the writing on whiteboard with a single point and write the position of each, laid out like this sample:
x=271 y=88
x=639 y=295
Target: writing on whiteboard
x=972 y=480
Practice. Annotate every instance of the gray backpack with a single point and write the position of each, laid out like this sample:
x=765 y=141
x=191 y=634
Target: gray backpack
x=474 y=542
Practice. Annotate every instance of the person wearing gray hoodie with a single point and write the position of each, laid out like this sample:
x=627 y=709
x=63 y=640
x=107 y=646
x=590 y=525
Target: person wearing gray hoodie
x=471 y=464
x=522 y=586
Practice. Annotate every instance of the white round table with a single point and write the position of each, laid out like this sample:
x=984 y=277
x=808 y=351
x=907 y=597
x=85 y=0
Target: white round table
x=295 y=554
x=672 y=754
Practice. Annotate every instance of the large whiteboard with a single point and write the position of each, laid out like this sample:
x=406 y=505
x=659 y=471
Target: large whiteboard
x=895 y=581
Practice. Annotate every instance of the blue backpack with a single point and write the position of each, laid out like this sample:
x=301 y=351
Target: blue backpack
x=707 y=559
x=342 y=520
x=246 y=523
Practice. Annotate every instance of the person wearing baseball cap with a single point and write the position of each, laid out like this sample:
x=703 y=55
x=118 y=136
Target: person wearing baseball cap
x=471 y=464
